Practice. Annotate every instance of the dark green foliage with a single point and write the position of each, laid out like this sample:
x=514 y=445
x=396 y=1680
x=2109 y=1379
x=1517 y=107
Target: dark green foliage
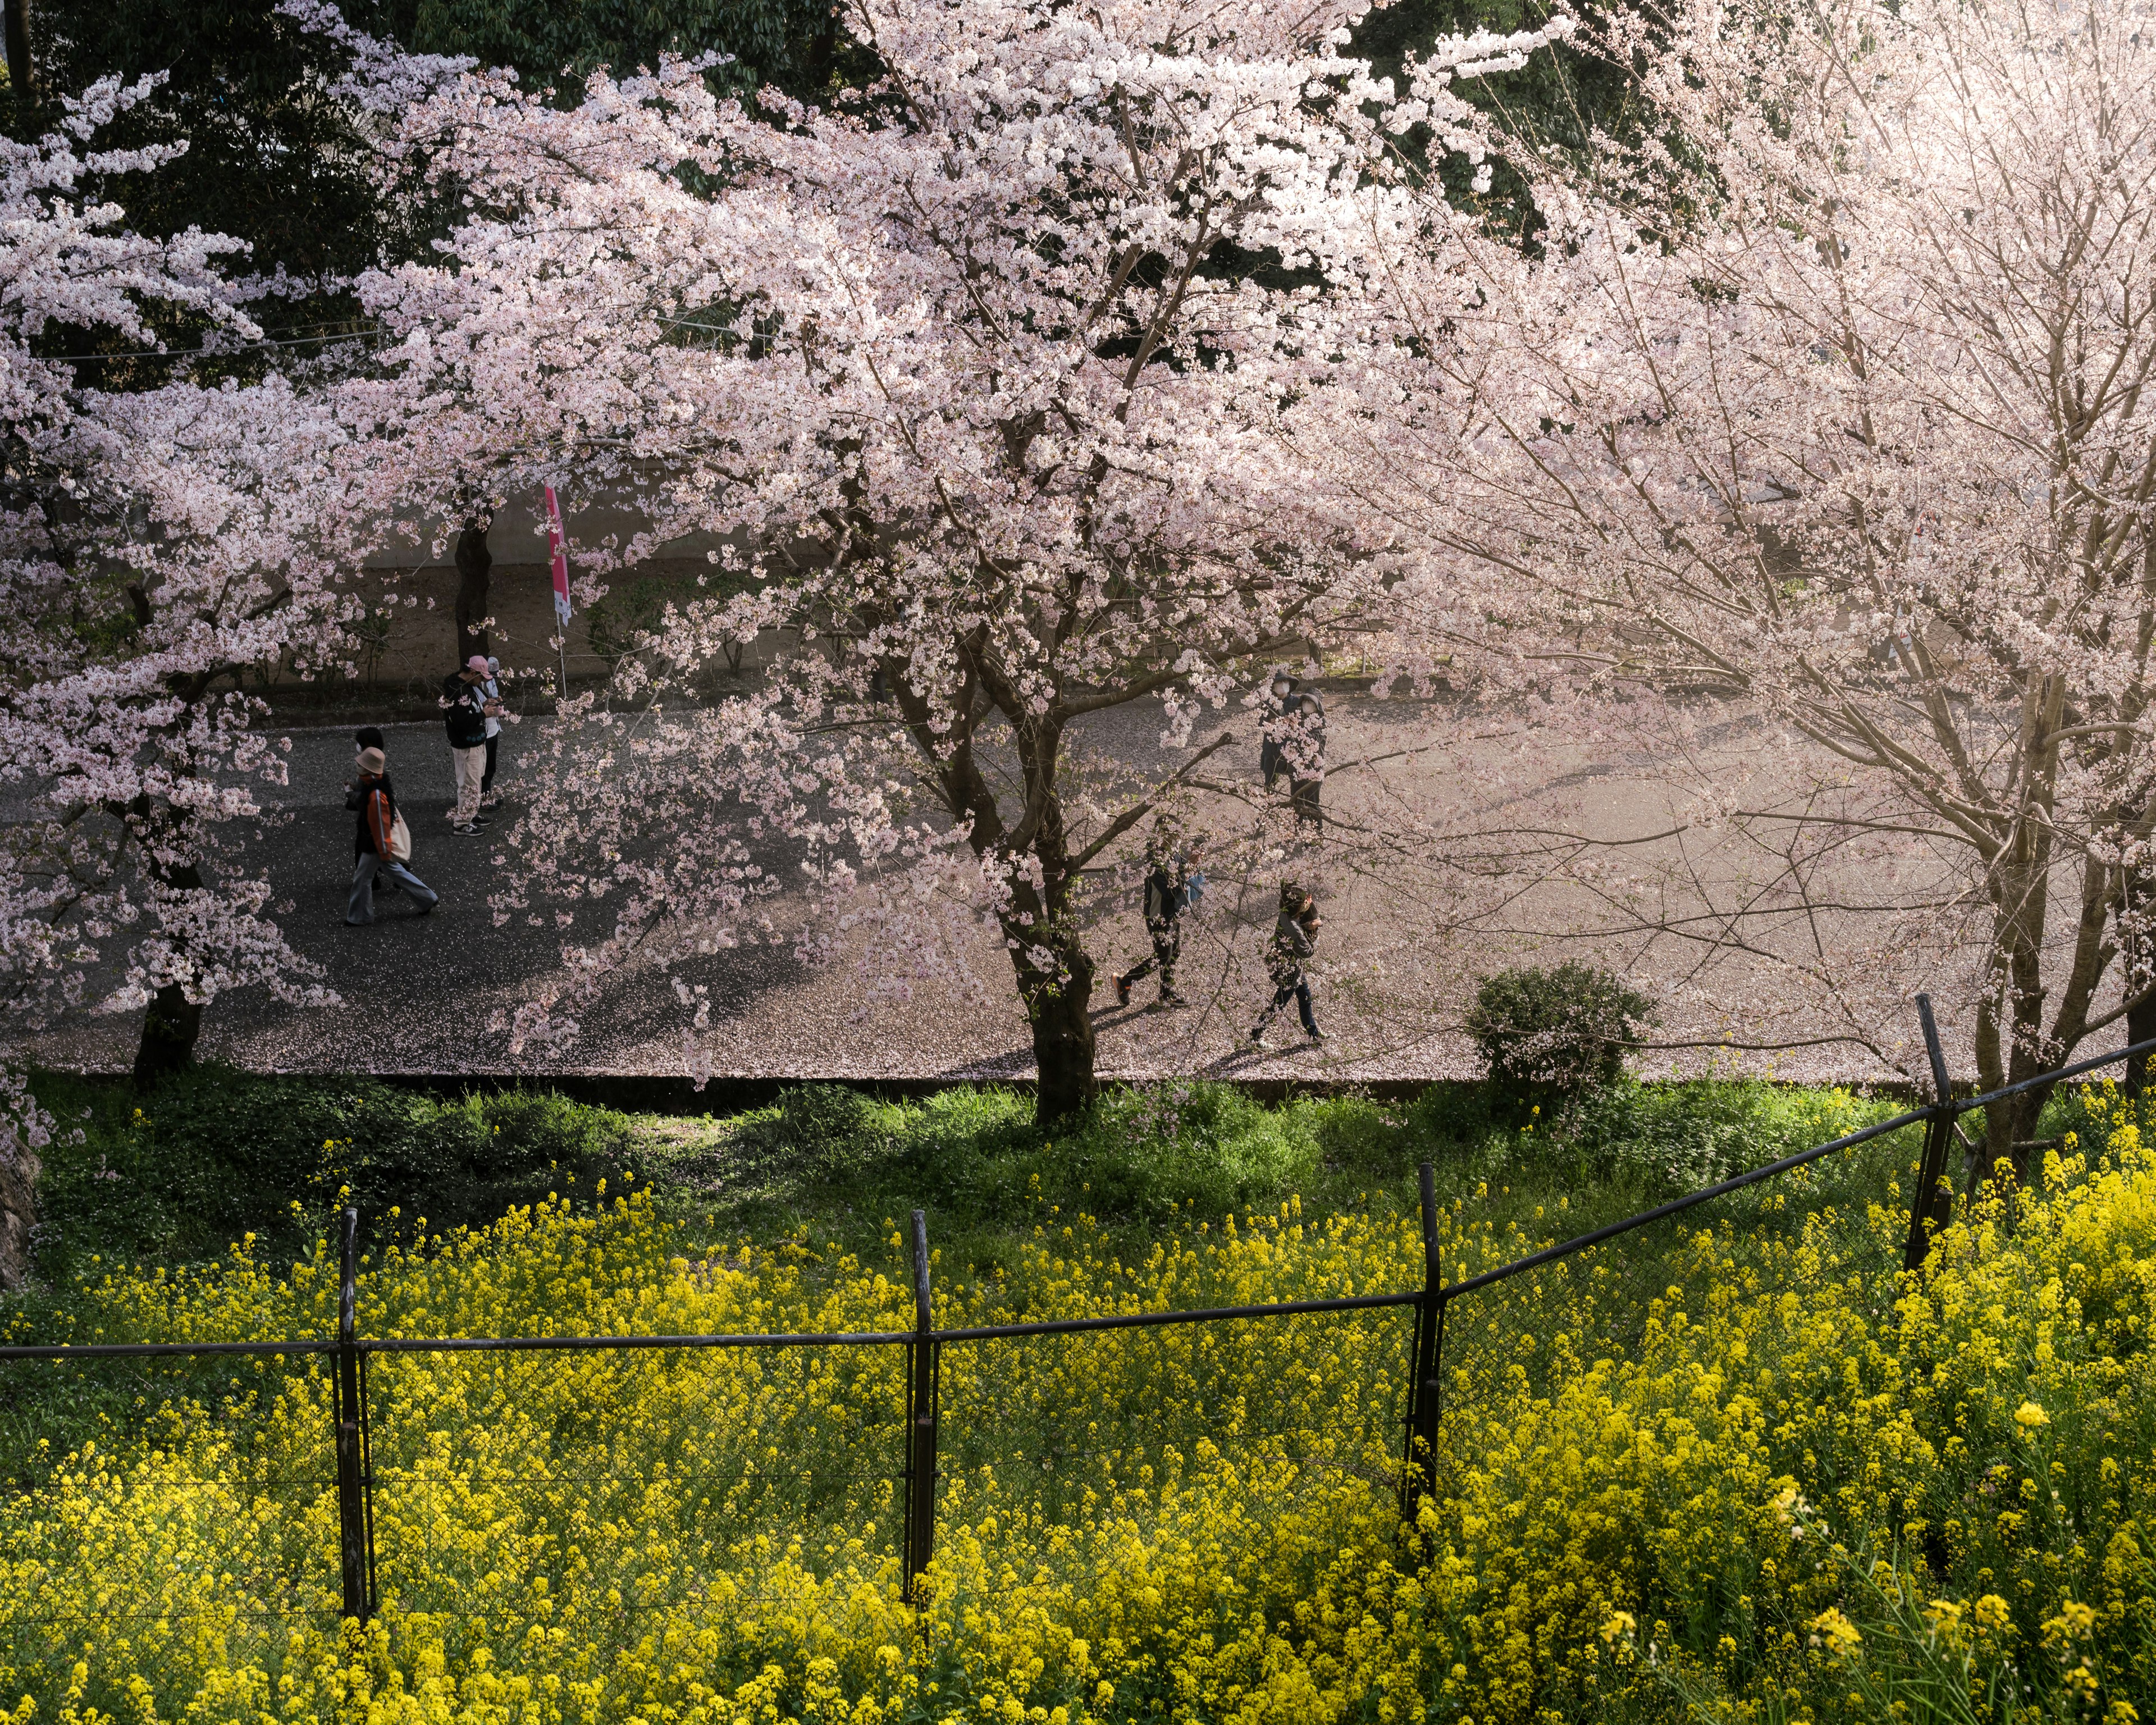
x=213 y=1155
x=1674 y=1138
x=790 y=42
x=1557 y=100
x=1565 y=1030
x=270 y=159
x=274 y=159
x=974 y=1159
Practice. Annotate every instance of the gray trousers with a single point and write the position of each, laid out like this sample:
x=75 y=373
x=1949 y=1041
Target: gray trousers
x=359 y=908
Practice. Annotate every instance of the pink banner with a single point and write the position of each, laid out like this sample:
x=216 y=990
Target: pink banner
x=557 y=547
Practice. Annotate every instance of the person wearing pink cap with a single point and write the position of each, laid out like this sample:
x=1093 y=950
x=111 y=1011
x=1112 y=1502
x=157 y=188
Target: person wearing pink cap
x=465 y=711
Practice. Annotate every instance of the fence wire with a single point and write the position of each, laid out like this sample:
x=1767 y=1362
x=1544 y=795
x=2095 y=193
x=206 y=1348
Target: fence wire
x=1603 y=1312
x=655 y=1481
x=1065 y=1442
x=241 y=1547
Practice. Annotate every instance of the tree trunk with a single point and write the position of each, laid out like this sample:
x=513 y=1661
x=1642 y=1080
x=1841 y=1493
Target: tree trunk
x=170 y=1029
x=173 y=1023
x=20 y=76
x=2140 y=1027
x=474 y=570
x=1059 y=1008
x=2138 y=949
x=1054 y=976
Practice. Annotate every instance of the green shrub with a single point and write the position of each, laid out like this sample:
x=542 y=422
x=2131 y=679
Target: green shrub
x=1677 y=1137
x=974 y=1158
x=1185 y=1144
x=214 y=1154
x=1564 y=1029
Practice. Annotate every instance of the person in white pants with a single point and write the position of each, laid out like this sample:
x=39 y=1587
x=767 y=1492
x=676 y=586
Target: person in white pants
x=464 y=713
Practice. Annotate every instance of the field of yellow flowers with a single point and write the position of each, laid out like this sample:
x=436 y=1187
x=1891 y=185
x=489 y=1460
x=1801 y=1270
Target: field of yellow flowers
x=1731 y=1467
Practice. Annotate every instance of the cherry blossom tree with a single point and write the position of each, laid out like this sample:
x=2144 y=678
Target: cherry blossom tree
x=1823 y=404
x=155 y=550
x=977 y=378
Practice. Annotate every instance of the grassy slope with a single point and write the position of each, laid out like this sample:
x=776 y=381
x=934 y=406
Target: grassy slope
x=182 y=1176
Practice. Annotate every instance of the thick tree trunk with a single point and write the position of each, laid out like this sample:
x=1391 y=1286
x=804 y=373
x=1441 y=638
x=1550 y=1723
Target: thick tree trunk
x=21 y=75
x=1055 y=975
x=173 y=1023
x=474 y=573
x=2138 y=949
x=169 y=1030
x=2140 y=1027
x=1059 y=1010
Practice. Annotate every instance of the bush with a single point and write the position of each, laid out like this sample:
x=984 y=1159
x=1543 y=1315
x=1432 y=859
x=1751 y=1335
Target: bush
x=1566 y=1030
x=1677 y=1137
x=1157 y=1148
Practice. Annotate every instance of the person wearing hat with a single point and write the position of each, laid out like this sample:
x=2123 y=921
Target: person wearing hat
x=374 y=845
x=369 y=737
x=465 y=711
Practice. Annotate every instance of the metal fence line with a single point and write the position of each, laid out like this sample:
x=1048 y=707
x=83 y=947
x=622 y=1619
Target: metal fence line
x=1418 y=1479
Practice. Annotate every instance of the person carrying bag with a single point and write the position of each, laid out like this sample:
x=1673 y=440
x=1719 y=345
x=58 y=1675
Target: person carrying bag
x=376 y=844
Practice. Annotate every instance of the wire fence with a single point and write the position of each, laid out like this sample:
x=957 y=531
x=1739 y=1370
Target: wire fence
x=340 y=1460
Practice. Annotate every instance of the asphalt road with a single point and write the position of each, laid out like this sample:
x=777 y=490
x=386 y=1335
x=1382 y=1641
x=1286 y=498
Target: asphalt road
x=418 y=995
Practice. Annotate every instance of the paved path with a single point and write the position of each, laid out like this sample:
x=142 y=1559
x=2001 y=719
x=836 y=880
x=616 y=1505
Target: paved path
x=418 y=995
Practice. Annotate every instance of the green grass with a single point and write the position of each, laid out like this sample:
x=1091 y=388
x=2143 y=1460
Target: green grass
x=183 y=1176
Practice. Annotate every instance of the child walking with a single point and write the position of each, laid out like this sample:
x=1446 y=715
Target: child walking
x=1295 y=938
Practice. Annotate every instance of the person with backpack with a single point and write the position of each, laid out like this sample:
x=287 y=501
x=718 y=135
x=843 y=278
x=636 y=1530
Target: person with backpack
x=1295 y=939
x=464 y=713
x=381 y=844
x=1173 y=882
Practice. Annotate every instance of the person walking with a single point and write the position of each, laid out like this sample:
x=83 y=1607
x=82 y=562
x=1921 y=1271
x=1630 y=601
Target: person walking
x=369 y=737
x=1295 y=938
x=492 y=689
x=1173 y=882
x=1276 y=727
x=464 y=716
x=1303 y=749
x=375 y=844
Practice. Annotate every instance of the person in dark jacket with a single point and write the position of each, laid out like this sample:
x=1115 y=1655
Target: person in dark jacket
x=1275 y=728
x=369 y=737
x=374 y=845
x=1295 y=938
x=464 y=713
x=1173 y=882
x=1302 y=750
